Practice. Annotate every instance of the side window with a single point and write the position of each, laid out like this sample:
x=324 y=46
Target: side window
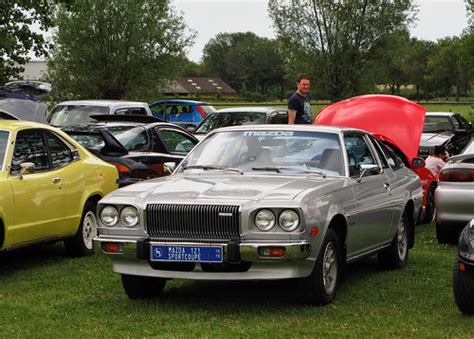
x=61 y=155
x=30 y=147
x=176 y=142
x=393 y=160
x=279 y=118
x=185 y=109
x=157 y=109
x=131 y=110
x=380 y=154
x=358 y=153
x=463 y=123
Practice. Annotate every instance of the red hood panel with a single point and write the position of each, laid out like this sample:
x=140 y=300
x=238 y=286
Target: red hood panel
x=388 y=117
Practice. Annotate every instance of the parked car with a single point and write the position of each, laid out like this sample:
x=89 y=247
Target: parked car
x=463 y=271
x=444 y=128
x=264 y=203
x=241 y=116
x=73 y=113
x=455 y=196
x=397 y=123
x=50 y=188
x=139 y=147
x=185 y=113
x=7 y=116
x=25 y=90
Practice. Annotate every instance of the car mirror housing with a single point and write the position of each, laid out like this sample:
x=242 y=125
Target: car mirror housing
x=26 y=168
x=169 y=167
x=368 y=169
x=418 y=162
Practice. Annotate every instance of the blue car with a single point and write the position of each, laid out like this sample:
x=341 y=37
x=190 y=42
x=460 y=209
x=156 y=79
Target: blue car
x=186 y=113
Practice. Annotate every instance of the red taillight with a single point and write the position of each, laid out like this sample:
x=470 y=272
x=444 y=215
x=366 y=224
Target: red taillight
x=121 y=168
x=457 y=175
x=201 y=111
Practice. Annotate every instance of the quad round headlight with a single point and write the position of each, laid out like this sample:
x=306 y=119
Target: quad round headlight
x=109 y=216
x=129 y=216
x=265 y=220
x=289 y=220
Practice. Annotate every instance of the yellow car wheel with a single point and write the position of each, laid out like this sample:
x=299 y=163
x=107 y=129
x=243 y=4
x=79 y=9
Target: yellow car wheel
x=82 y=242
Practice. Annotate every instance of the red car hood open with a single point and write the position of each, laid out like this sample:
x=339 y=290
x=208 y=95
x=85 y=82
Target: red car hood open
x=390 y=118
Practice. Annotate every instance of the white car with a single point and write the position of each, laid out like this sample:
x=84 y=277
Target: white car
x=73 y=113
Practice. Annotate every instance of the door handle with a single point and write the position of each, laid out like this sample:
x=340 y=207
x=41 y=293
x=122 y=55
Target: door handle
x=56 y=180
x=386 y=186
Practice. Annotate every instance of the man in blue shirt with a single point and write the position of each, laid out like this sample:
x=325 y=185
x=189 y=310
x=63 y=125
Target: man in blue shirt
x=299 y=108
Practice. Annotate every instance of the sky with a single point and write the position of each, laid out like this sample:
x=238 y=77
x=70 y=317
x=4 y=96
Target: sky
x=436 y=19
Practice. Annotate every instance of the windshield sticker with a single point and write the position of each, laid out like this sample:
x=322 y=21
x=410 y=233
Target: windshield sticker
x=268 y=134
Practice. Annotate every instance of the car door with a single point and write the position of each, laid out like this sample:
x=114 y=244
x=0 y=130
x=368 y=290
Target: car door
x=372 y=194
x=40 y=200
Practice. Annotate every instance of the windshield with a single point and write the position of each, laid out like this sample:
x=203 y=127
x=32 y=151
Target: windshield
x=3 y=147
x=437 y=124
x=218 y=120
x=272 y=151
x=72 y=115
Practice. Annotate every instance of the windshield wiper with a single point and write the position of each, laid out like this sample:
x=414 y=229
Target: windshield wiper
x=213 y=167
x=289 y=169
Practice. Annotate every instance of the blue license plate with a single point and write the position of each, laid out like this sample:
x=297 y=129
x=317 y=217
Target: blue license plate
x=186 y=253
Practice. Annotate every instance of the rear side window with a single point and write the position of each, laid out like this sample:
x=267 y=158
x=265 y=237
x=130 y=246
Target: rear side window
x=176 y=142
x=279 y=118
x=393 y=160
x=61 y=155
x=3 y=147
x=30 y=147
x=131 y=110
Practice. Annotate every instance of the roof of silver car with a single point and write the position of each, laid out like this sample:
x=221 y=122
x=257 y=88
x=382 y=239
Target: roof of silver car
x=441 y=114
x=105 y=103
x=315 y=128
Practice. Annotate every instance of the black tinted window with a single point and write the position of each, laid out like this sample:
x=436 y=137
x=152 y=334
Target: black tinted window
x=217 y=120
x=176 y=142
x=279 y=118
x=61 y=155
x=379 y=152
x=30 y=147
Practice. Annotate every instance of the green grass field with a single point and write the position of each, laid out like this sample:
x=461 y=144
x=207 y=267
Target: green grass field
x=45 y=294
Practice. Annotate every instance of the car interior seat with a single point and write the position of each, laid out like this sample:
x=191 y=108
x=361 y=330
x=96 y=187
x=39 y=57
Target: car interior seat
x=331 y=160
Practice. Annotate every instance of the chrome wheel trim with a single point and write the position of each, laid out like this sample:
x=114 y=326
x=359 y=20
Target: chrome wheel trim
x=330 y=268
x=402 y=240
x=89 y=229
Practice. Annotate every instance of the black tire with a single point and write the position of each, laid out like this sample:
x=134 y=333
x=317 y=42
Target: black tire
x=81 y=244
x=446 y=234
x=430 y=206
x=463 y=295
x=315 y=288
x=396 y=256
x=139 y=287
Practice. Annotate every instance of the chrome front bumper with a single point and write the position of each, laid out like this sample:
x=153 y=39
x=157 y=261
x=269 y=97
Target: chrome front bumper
x=248 y=252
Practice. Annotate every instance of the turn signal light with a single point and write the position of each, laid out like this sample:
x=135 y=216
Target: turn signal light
x=462 y=267
x=112 y=247
x=314 y=231
x=457 y=175
x=275 y=252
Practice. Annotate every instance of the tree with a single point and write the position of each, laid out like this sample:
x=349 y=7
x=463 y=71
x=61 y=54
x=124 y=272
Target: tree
x=419 y=52
x=335 y=41
x=17 y=38
x=111 y=49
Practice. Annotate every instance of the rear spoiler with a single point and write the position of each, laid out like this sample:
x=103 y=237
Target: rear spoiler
x=147 y=119
x=112 y=147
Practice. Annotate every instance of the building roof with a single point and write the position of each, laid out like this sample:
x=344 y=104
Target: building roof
x=199 y=85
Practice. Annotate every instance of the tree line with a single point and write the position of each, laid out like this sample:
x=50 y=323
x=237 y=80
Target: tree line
x=115 y=49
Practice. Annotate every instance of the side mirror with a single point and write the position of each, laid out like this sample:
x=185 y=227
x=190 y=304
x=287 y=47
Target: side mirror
x=169 y=167
x=26 y=168
x=418 y=162
x=368 y=168
x=190 y=128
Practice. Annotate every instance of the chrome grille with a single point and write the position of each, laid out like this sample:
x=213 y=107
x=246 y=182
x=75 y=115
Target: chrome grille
x=193 y=222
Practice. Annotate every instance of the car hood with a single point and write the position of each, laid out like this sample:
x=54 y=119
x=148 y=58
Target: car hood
x=223 y=187
x=388 y=117
x=434 y=139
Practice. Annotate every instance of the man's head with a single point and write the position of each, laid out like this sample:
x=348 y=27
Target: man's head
x=441 y=152
x=303 y=83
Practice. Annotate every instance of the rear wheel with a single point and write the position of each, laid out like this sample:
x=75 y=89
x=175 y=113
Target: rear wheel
x=446 y=234
x=320 y=287
x=463 y=295
x=396 y=256
x=82 y=242
x=139 y=287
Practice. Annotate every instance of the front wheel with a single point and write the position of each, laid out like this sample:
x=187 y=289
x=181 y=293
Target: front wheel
x=463 y=295
x=82 y=242
x=396 y=256
x=139 y=287
x=320 y=287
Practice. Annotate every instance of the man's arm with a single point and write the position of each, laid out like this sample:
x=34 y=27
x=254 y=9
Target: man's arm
x=291 y=116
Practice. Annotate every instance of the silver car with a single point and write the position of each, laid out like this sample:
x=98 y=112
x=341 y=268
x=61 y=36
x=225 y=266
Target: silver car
x=261 y=203
x=454 y=196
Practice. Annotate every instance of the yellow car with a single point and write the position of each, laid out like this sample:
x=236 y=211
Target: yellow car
x=49 y=188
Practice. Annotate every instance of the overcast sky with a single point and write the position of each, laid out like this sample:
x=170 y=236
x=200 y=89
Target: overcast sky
x=436 y=19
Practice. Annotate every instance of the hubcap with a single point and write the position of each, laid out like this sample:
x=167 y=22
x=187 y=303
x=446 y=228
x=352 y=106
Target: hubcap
x=329 y=268
x=402 y=240
x=89 y=229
